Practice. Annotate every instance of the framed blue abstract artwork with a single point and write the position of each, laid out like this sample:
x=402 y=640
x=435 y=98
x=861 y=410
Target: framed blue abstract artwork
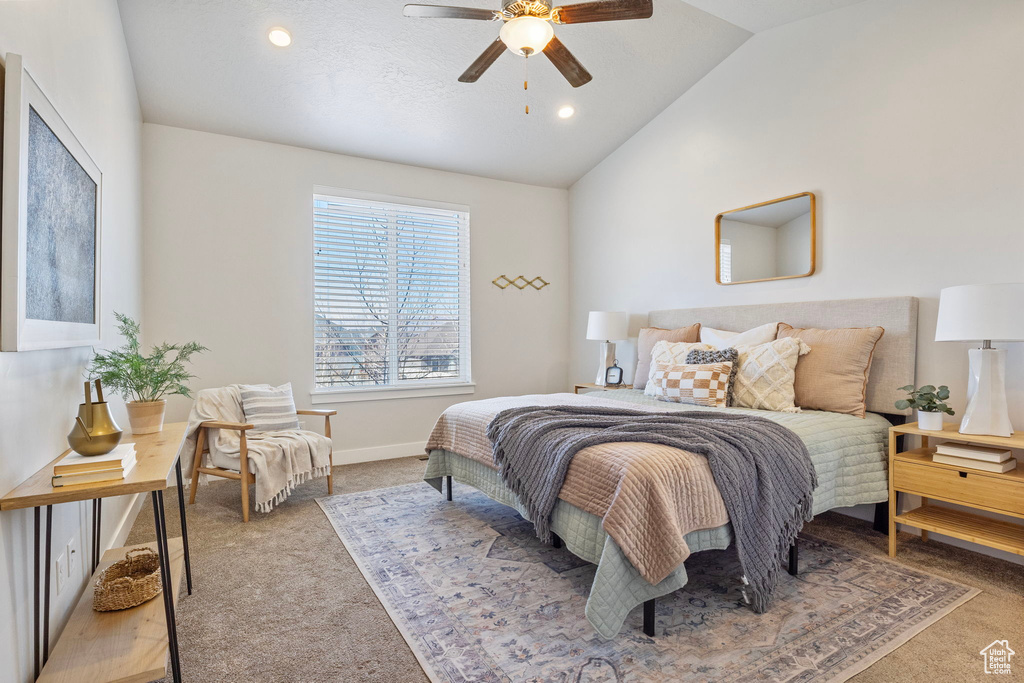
x=50 y=224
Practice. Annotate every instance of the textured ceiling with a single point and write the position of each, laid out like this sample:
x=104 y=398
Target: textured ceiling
x=761 y=15
x=363 y=80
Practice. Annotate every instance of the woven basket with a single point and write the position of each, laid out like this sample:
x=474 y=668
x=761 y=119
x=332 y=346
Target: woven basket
x=128 y=582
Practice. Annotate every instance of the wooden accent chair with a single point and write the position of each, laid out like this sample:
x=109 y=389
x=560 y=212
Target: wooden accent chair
x=244 y=475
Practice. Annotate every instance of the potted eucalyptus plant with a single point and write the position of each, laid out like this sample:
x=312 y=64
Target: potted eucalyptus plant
x=929 y=403
x=143 y=381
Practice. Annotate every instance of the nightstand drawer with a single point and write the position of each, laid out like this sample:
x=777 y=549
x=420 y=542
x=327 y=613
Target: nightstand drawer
x=965 y=486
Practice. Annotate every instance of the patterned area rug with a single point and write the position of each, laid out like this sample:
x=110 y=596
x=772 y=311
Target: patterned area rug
x=479 y=598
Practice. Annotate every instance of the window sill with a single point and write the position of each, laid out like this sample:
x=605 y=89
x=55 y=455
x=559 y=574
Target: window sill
x=387 y=393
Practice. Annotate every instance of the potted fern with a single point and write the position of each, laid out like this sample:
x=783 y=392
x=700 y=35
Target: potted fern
x=930 y=405
x=143 y=381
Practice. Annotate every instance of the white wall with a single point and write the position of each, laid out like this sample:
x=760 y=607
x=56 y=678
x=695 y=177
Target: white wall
x=75 y=49
x=229 y=262
x=753 y=249
x=905 y=118
x=792 y=252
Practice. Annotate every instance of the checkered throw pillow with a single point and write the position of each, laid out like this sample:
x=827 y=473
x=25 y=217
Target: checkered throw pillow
x=697 y=357
x=702 y=385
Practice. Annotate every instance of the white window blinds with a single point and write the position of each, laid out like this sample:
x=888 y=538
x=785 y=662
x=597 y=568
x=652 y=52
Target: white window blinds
x=391 y=289
x=725 y=260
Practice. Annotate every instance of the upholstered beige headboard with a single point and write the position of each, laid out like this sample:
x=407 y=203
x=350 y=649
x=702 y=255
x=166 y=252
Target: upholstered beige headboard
x=892 y=365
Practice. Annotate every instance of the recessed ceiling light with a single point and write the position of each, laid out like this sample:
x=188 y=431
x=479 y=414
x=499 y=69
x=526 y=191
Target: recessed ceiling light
x=279 y=36
x=566 y=112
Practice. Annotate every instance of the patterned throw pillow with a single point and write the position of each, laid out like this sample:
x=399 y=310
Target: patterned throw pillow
x=697 y=357
x=670 y=353
x=766 y=375
x=702 y=385
x=269 y=408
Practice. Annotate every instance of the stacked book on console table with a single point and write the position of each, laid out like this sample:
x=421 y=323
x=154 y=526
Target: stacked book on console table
x=74 y=468
x=974 y=457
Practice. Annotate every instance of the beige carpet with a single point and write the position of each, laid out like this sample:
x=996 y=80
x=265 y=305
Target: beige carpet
x=279 y=598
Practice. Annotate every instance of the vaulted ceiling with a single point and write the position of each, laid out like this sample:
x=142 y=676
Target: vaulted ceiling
x=361 y=79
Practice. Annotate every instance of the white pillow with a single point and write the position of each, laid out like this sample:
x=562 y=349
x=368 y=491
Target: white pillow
x=766 y=375
x=670 y=353
x=723 y=339
x=268 y=408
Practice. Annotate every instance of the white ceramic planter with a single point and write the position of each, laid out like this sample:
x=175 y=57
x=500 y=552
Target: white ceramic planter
x=146 y=417
x=931 y=422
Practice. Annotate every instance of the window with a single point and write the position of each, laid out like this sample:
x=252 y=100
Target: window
x=391 y=294
x=725 y=261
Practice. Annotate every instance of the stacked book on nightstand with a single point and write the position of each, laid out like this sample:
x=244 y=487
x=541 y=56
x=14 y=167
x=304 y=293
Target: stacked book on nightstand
x=974 y=457
x=74 y=468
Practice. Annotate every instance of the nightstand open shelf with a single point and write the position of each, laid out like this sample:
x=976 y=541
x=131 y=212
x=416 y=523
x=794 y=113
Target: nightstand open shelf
x=994 y=533
x=915 y=472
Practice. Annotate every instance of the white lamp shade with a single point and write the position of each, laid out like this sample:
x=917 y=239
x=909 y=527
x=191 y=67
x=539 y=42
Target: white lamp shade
x=981 y=312
x=526 y=35
x=608 y=325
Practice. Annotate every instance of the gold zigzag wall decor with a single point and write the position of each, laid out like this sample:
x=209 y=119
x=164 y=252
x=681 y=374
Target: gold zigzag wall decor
x=519 y=282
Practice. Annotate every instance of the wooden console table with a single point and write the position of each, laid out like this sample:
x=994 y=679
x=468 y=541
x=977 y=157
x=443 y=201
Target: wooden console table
x=122 y=645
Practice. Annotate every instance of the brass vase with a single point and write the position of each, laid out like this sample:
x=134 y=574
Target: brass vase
x=94 y=431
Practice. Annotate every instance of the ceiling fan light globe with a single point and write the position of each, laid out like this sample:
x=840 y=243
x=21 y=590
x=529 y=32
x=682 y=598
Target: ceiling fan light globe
x=526 y=35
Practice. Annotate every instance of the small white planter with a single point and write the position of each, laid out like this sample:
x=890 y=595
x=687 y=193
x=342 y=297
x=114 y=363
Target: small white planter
x=931 y=422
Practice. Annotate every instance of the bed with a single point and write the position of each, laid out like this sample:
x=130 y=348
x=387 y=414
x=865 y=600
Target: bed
x=849 y=453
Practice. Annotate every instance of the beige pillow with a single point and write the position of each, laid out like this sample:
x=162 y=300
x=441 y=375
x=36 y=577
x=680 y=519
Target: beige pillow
x=766 y=375
x=670 y=353
x=722 y=339
x=702 y=385
x=649 y=336
x=834 y=376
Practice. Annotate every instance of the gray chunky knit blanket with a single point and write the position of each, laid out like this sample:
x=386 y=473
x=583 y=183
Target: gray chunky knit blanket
x=762 y=469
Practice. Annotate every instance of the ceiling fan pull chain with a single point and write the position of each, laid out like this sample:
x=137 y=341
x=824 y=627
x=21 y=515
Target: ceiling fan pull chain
x=526 y=82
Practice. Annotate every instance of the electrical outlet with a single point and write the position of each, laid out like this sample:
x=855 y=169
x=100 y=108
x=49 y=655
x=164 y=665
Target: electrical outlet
x=73 y=556
x=60 y=572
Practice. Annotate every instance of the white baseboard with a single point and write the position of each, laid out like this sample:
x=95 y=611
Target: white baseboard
x=398 y=450
x=120 y=537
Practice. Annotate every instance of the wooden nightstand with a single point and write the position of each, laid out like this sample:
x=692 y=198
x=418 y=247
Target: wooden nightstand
x=914 y=472
x=598 y=387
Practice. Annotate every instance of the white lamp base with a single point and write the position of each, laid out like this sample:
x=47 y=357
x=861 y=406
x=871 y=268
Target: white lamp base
x=606 y=360
x=987 y=412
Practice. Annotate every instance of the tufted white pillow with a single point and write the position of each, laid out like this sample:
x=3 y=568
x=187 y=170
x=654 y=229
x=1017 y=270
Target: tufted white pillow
x=722 y=339
x=766 y=375
x=670 y=353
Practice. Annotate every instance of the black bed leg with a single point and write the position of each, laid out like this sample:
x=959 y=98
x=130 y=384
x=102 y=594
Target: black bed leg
x=449 y=487
x=556 y=542
x=649 y=618
x=882 y=516
x=794 y=558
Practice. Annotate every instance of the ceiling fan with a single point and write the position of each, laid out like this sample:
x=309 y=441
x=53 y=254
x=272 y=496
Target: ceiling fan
x=528 y=30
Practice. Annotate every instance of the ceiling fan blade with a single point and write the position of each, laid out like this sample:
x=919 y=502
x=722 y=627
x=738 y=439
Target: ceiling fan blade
x=567 y=64
x=478 y=67
x=443 y=12
x=608 y=10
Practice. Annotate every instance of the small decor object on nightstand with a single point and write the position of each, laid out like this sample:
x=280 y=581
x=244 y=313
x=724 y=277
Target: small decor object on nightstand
x=613 y=375
x=143 y=381
x=984 y=313
x=929 y=403
x=605 y=326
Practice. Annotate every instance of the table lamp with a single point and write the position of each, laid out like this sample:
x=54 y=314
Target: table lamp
x=605 y=326
x=984 y=313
